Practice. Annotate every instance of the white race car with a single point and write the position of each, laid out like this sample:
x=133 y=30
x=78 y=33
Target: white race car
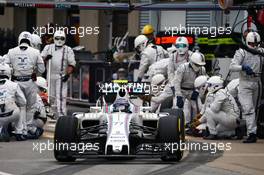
x=120 y=130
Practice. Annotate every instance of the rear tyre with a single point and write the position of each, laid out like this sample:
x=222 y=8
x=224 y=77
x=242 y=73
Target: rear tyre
x=65 y=134
x=171 y=134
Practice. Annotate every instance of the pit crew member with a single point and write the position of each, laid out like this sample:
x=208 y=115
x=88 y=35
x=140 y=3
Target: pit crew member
x=184 y=79
x=149 y=54
x=11 y=99
x=61 y=65
x=25 y=62
x=39 y=116
x=249 y=91
x=222 y=115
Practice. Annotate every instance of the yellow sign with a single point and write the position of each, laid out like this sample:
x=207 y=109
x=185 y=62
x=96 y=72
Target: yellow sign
x=120 y=81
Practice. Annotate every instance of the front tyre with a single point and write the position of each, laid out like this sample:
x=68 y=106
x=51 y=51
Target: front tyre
x=171 y=132
x=65 y=135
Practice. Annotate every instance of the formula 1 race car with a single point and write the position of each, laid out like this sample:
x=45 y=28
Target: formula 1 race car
x=121 y=130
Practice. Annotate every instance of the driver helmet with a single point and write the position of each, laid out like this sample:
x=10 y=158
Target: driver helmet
x=121 y=104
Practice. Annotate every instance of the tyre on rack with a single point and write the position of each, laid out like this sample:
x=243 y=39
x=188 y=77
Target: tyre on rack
x=171 y=131
x=65 y=135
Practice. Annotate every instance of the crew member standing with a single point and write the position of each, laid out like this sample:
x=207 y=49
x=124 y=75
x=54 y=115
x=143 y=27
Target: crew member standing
x=61 y=65
x=249 y=66
x=26 y=62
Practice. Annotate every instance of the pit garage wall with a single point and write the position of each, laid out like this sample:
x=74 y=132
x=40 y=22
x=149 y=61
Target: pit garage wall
x=6 y=20
x=172 y=19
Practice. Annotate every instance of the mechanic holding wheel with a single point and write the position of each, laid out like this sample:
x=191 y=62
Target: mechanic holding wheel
x=61 y=65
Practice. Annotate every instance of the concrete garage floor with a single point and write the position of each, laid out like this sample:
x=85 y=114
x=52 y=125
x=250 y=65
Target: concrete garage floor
x=242 y=158
x=20 y=158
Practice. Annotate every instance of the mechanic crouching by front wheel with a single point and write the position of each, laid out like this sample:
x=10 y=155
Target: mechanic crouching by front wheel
x=26 y=62
x=184 y=82
x=61 y=63
x=11 y=98
x=222 y=114
x=38 y=113
x=197 y=128
x=249 y=66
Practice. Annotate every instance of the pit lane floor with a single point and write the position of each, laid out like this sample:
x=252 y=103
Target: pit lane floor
x=23 y=158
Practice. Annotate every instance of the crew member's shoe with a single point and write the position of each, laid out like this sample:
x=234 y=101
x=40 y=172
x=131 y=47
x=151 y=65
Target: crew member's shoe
x=39 y=132
x=239 y=133
x=188 y=131
x=36 y=135
x=4 y=135
x=21 y=137
x=206 y=132
x=252 y=138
